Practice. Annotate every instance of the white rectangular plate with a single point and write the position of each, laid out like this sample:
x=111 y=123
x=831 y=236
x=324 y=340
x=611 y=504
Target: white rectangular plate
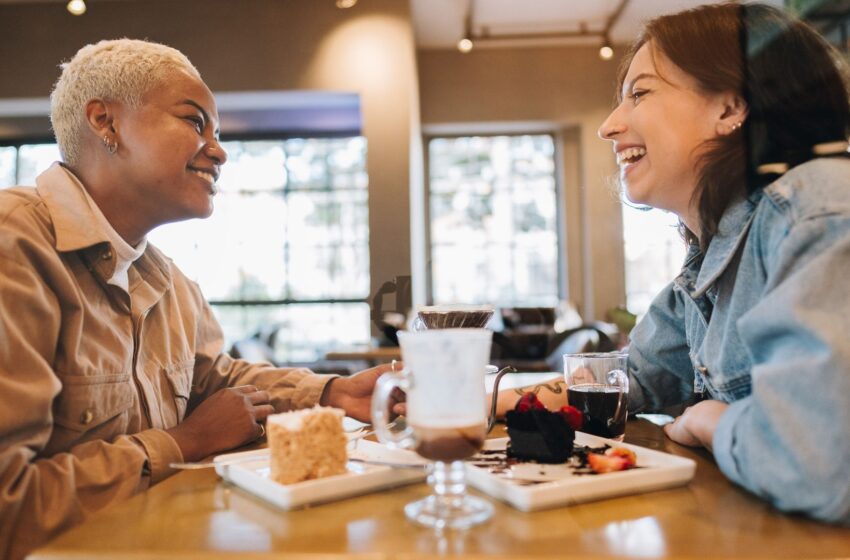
x=254 y=476
x=558 y=486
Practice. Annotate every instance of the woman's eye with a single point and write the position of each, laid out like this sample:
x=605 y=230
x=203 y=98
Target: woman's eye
x=198 y=122
x=637 y=94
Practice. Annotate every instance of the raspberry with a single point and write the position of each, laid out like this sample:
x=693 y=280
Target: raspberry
x=573 y=416
x=529 y=401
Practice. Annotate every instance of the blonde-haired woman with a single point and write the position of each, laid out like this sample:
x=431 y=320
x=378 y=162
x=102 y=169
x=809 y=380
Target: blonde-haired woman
x=111 y=362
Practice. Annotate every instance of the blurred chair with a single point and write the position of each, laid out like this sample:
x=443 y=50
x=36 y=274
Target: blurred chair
x=595 y=337
x=253 y=349
x=530 y=342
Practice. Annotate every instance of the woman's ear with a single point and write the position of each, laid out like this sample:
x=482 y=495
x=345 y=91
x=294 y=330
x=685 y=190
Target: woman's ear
x=100 y=117
x=733 y=113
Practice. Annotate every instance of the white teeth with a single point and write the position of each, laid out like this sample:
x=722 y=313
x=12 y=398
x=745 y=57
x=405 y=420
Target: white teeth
x=209 y=177
x=630 y=155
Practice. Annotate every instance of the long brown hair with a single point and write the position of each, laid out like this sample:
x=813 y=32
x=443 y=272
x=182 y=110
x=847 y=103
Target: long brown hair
x=795 y=85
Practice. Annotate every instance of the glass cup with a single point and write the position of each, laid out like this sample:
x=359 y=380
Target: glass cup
x=443 y=377
x=598 y=385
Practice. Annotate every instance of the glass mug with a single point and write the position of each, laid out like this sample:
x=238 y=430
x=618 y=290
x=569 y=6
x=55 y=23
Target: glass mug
x=598 y=385
x=443 y=377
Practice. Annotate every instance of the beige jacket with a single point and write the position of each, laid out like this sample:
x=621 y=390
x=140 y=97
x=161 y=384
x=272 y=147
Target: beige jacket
x=90 y=375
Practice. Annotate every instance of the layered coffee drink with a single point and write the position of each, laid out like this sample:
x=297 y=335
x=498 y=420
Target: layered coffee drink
x=449 y=443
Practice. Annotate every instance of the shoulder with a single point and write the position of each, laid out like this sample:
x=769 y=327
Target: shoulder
x=820 y=187
x=805 y=212
x=24 y=222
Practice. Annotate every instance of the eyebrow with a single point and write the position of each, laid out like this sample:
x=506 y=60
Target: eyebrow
x=204 y=113
x=631 y=84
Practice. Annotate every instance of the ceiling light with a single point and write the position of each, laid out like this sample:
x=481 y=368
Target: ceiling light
x=343 y=4
x=77 y=7
x=606 y=52
x=464 y=45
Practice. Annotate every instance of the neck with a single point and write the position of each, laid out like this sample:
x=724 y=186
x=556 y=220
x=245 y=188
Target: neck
x=101 y=187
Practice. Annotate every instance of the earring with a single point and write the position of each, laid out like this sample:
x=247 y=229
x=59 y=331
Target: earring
x=111 y=146
x=737 y=125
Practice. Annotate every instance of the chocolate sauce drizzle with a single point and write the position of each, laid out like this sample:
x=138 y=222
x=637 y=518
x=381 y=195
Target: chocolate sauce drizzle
x=496 y=461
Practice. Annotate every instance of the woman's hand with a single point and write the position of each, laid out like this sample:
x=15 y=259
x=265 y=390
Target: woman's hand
x=227 y=419
x=353 y=394
x=696 y=425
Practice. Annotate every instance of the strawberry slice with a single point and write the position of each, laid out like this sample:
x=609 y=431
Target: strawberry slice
x=626 y=454
x=529 y=401
x=604 y=463
x=573 y=416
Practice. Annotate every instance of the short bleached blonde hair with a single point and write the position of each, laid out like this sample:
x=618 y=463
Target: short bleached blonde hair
x=121 y=70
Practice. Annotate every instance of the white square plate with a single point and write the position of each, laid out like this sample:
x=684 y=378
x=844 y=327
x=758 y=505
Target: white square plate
x=361 y=478
x=532 y=486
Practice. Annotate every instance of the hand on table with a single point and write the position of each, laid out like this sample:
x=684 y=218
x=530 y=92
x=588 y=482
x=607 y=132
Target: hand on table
x=229 y=418
x=353 y=394
x=696 y=426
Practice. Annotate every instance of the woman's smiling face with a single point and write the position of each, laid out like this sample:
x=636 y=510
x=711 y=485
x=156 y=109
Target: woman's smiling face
x=658 y=129
x=170 y=153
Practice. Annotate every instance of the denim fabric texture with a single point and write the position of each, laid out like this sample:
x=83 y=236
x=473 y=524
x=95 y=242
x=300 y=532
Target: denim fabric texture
x=762 y=321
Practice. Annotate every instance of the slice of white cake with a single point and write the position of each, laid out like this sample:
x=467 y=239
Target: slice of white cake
x=306 y=444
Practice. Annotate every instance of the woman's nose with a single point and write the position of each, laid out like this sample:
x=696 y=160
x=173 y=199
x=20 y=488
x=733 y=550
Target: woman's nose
x=611 y=127
x=215 y=151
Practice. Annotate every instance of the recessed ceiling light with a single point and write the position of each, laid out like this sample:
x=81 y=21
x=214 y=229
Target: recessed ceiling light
x=606 y=52
x=343 y=4
x=77 y=7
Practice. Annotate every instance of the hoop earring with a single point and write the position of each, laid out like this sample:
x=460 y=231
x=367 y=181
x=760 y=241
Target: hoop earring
x=111 y=147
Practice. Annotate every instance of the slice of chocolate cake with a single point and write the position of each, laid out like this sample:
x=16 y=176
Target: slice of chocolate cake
x=537 y=434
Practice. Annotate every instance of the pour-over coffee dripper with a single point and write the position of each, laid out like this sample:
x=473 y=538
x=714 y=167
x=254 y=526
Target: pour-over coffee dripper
x=453 y=316
x=458 y=316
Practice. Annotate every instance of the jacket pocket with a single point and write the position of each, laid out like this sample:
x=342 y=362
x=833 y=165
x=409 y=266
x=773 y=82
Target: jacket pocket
x=179 y=377
x=88 y=402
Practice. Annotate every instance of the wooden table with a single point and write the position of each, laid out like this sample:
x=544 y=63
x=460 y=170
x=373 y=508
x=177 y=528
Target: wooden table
x=196 y=515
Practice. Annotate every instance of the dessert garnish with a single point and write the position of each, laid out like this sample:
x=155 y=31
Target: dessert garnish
x=614 y=459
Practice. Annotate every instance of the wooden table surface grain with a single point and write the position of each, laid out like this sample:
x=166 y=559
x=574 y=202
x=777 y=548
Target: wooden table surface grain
x=196 y=515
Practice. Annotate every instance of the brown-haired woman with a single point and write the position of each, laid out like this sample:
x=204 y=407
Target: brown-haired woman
x=736 y=118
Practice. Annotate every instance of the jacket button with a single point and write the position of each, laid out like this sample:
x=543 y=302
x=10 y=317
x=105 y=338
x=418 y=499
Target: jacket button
x=87 y=416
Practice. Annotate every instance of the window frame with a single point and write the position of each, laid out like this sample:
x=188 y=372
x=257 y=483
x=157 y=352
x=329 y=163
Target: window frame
x=19 y=142
x=560 y=202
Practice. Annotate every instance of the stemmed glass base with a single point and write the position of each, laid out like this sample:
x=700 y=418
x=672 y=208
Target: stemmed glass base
x=449 y=507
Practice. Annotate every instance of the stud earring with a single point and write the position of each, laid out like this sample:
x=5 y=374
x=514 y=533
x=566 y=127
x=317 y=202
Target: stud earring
x=111 y=146
x=737 y=125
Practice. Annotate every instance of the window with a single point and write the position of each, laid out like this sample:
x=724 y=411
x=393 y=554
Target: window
x=493 y=216
x=20 y=165
x=654 y=252
x=286 y=251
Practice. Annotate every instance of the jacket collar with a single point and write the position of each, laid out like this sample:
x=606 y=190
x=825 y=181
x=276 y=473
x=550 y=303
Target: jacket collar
x=77 y=226
x=74 y=220
x=731 y=232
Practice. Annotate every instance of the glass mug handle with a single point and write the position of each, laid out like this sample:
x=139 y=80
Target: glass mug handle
x=380 y=410
x=619 y=378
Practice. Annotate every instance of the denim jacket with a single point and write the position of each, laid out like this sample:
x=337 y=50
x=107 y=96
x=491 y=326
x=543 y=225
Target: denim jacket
x=762 y=321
